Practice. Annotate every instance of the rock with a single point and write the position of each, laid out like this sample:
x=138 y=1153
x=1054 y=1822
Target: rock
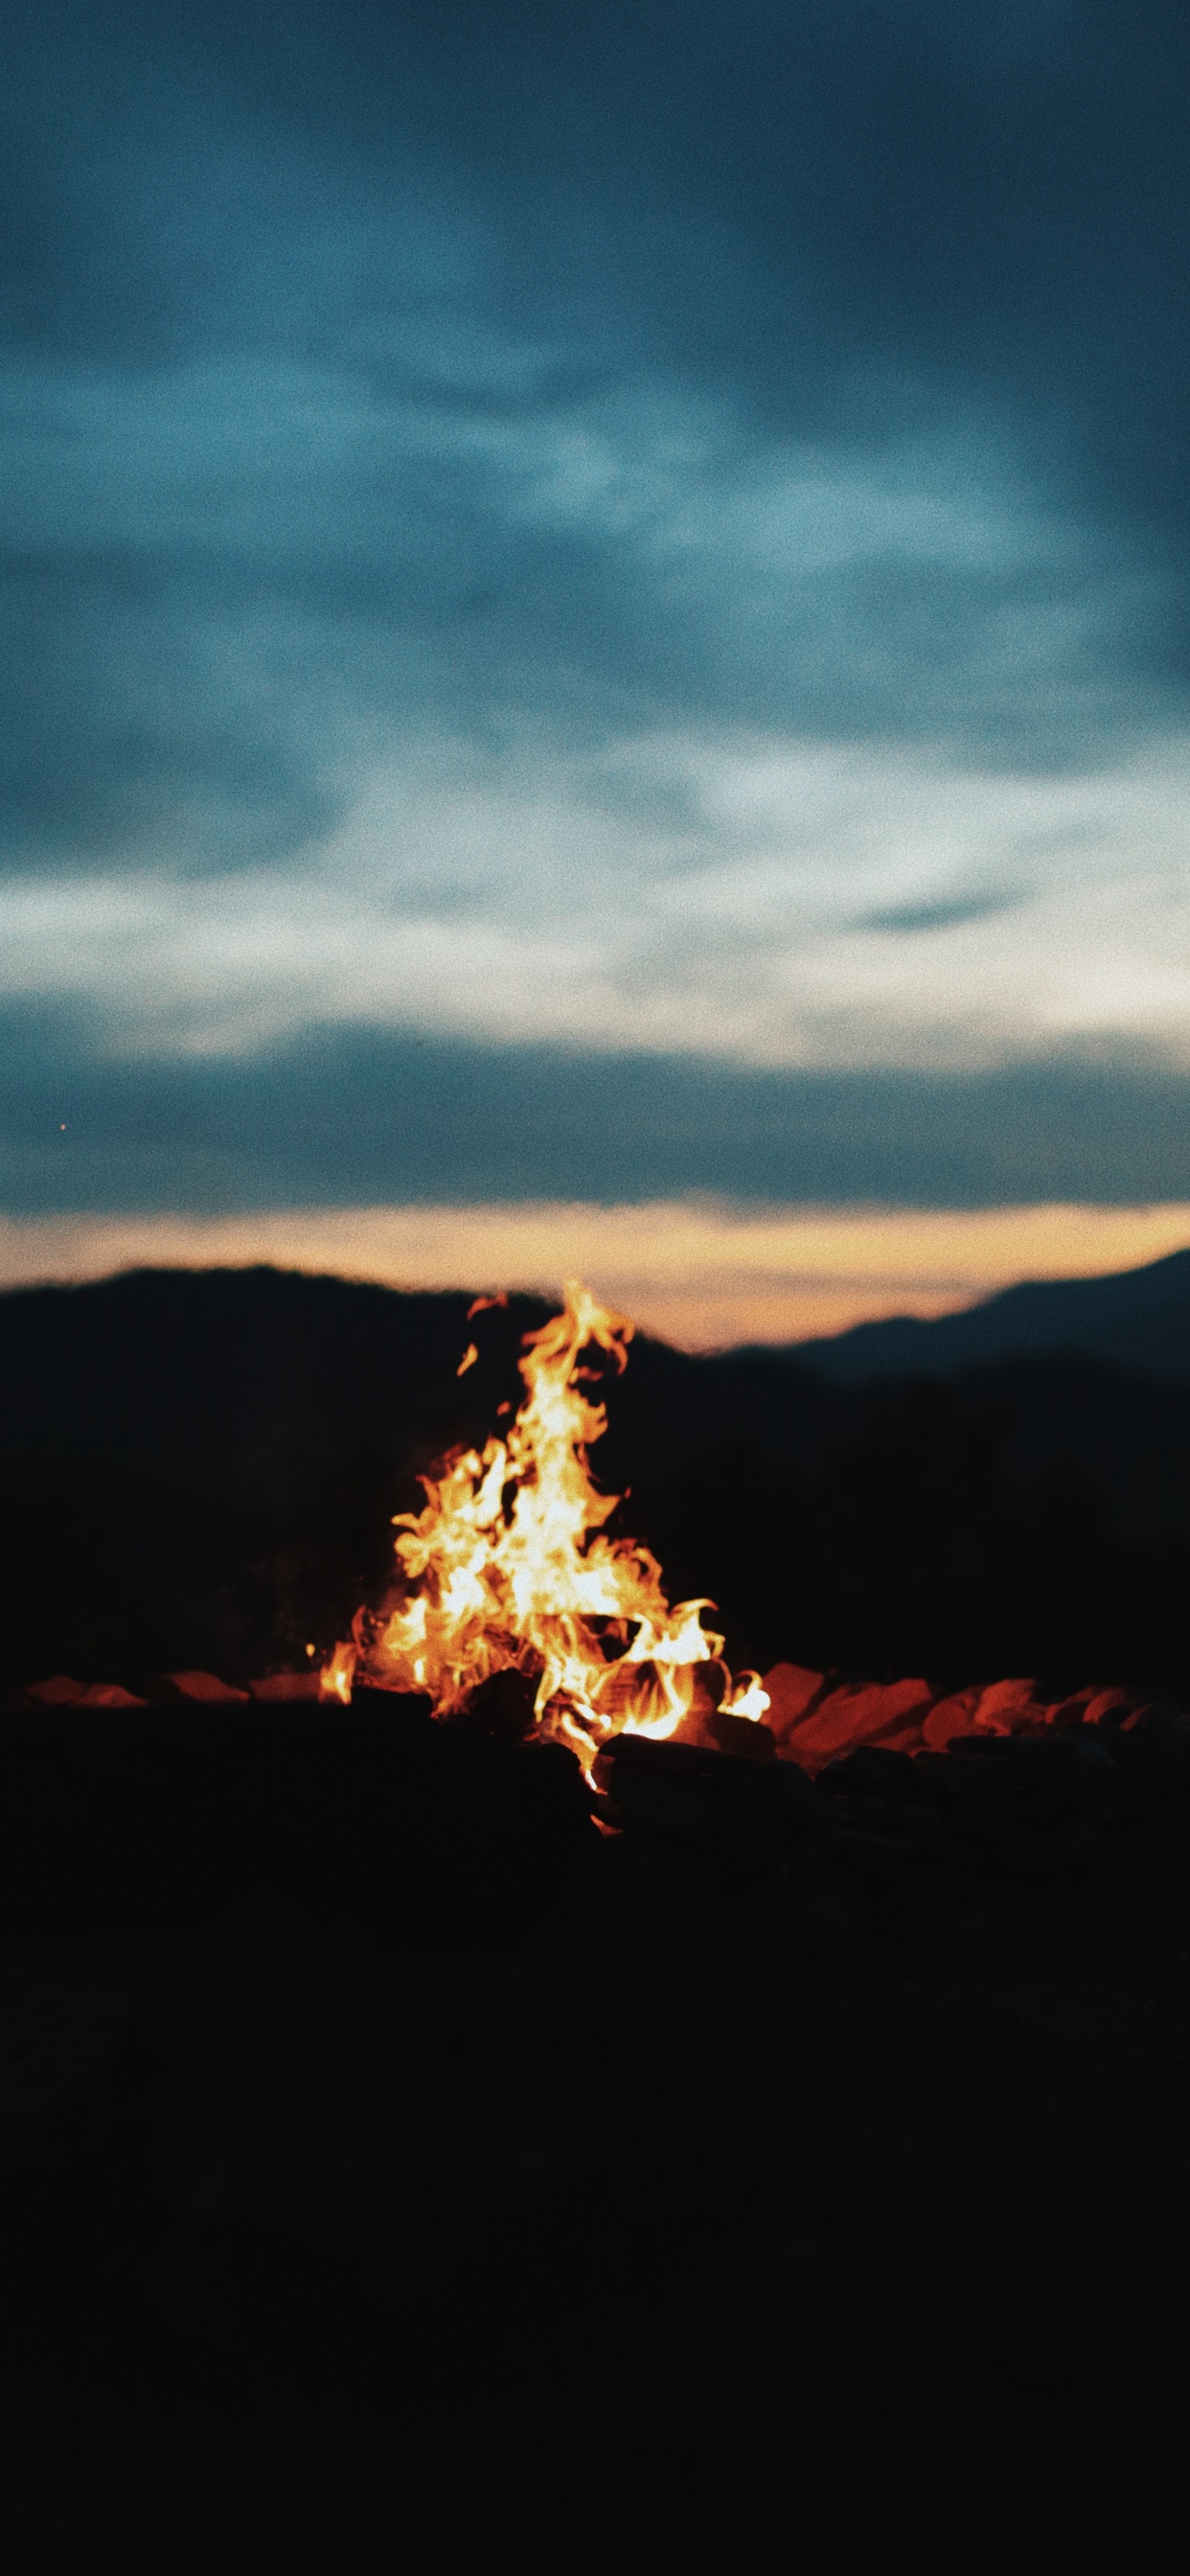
x=803 y=1801
x=205 y=1689
x=857 y=1713
x=109 y=1695
x=1005 y=1707
x=993 y=1709
x=1106 y=1708
x=793 y=1690
x=949 y=1719
x=285 y=1687
x=60 y=1691
x=872 y=1772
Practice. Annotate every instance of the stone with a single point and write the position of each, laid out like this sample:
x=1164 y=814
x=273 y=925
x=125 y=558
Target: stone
x=872 y=1771
x=108 y=1695
x=1005 y=1707
x=205 y=1689
x=804 y=1802
x=793 y=1690
x=1106 y=1708
x=60 y=1691
x=857 y=1713
x=287 y=1686
x=949 y=1720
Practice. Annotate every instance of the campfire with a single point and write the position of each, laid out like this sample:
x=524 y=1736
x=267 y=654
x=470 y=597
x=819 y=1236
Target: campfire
x=515 y=1609
x=509 y=1570
x=512 y=1594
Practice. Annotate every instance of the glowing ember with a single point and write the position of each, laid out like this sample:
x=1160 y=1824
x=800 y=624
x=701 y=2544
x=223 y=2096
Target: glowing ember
x=509 y=1568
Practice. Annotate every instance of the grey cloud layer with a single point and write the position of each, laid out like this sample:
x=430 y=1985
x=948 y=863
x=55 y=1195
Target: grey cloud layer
x=818 y=368
x=353 y=1119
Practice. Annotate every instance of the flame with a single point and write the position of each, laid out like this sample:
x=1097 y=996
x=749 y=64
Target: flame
x=509 y=1568
x=750 y=1699
x=335 y=1679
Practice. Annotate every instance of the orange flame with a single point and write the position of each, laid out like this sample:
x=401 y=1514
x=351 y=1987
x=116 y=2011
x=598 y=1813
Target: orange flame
x=509 y=1567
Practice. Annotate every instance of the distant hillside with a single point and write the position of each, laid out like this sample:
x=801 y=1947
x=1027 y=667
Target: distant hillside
x=222 y=1379
x=1140 y=1319
x=202 y=1468
x=203 y=1465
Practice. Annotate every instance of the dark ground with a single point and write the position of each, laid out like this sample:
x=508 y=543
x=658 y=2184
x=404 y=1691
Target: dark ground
x=399 y=2172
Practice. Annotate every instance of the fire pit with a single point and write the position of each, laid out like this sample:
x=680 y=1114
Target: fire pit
x=525 y=1689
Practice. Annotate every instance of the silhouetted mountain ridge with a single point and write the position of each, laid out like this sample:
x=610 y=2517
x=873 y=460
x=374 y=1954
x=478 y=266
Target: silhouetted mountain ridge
x=202 y=1468
x=1140 y=1319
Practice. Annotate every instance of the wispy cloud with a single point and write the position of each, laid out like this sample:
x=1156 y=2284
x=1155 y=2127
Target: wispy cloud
x=767 y=901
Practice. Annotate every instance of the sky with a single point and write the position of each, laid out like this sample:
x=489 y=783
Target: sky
x=595 y=644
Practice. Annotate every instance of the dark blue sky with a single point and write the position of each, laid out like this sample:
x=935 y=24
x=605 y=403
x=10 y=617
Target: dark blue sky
x=594 y=602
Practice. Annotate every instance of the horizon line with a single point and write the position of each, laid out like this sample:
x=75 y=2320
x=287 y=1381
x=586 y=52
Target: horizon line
x=703 y=1274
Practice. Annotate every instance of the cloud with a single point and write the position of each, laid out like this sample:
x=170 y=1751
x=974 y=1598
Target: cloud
x=810 y=375
x=711 y=893
x=222 y=583
x=361 y=1117
x=909 y=918
x=536 y=535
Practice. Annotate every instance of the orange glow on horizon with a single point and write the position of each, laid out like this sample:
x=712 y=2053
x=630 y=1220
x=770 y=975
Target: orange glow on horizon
x=702 y=1273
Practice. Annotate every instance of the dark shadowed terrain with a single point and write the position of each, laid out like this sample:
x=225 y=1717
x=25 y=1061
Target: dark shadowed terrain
x=397 y=2170
x=409 y=2156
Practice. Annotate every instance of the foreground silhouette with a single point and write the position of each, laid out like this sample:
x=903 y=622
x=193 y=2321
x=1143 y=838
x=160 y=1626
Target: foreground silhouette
x=412 y=2149
x=389 y=2150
